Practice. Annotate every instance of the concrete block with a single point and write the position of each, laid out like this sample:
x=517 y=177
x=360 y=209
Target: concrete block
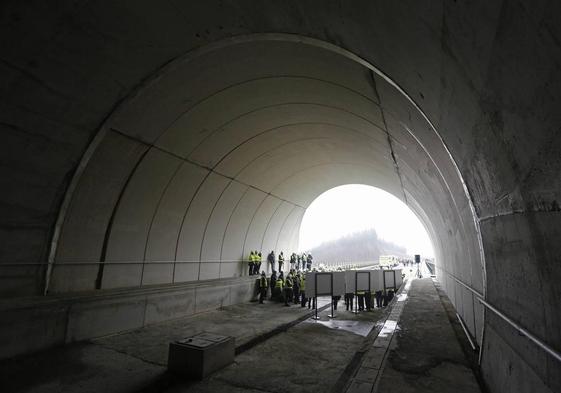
x=198 y=356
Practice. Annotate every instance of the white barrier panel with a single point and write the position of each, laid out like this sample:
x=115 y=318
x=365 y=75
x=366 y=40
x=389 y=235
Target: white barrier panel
x=398 y=278
x=350 y=281
x=338 y=283
x=324 y=284
x=376 y=280
x=389 y=278
x=393 y=278
x=310 y=284
x=362 y=280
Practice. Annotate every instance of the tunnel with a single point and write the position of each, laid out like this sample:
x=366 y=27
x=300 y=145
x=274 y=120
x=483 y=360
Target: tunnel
x=148 y=147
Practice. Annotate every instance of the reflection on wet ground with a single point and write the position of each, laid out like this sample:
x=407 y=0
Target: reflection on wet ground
x=361 y=328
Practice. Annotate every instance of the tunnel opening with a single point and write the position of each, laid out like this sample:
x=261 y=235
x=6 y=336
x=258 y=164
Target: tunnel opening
x=216 y=144
x=357 y=224
x=198 y=167
x=222 y=151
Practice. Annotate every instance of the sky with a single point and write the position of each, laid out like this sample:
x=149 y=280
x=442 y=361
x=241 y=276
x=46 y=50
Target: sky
x=352 y=208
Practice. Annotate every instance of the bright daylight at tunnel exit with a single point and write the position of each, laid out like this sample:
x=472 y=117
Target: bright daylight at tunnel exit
x=290 y=196
x=359 y=223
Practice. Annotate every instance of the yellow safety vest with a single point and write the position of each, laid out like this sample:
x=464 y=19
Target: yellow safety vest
x=278 y=284
x=302 y=284
x=289 y=282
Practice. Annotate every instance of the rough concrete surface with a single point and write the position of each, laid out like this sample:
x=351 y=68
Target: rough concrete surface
x=408 y=347
x=137 y=360
x=425 y=355
x=309 y=357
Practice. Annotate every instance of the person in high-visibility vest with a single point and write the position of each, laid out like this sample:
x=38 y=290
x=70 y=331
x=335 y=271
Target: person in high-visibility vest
x=288 y=284
x=258 y=262
x=263 y=284
x=296 y=288
x=278 y=288
x=303 y=289
x=251 y=262
x=281 y=261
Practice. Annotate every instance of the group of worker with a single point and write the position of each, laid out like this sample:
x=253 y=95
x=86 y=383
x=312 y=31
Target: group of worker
x=254 y=263
x=297 y=262
x=290 y=289
x=366 y=299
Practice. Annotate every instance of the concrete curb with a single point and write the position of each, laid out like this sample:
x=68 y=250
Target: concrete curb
x=345 y=380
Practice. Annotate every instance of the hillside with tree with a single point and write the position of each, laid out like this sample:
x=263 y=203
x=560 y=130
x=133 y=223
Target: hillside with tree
x=356 y=247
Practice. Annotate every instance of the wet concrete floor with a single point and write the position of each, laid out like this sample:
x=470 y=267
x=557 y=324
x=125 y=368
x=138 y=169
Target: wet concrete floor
x=281 y=350
x=420 y=353
x=309 y=357
x=136 y=361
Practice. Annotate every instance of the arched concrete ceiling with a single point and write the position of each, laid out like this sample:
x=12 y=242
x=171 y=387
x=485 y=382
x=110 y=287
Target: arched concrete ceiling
x=287 y=127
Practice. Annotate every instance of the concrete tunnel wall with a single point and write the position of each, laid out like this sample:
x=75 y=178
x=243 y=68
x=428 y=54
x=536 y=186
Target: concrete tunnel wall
x=202 y=147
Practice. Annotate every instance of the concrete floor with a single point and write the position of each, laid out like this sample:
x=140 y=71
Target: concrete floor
x=410 y=347
x=425 y=355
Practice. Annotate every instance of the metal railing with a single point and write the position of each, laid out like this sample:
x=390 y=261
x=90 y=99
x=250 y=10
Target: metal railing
x=522 y=331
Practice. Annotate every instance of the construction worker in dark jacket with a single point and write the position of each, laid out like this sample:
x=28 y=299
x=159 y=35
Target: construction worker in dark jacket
x=296 y=289
x=360 y=300
x=379 y=299
x=262 y=287
x=271 y=260
x=288 y=285
x=368 y=300
x=303 y=289
x=309 y=261
x=272 y=282
x=258 y=260
x=349 y=296
x=292 y=260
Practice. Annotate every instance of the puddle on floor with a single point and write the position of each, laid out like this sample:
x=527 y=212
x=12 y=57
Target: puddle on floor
x=361 y=328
